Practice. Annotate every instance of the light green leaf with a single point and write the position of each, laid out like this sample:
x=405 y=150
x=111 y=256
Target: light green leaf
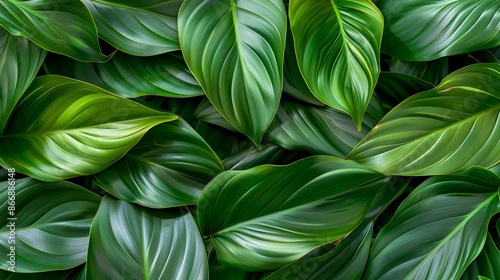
x=441 y=131
x=59 y=26
x=141 y=28
x=169 y=167
x=132 y=242
x=235 y=49
x=426 y=30
x=486 y=264
x=438 y=230
x=20 y=60
x=129 y=76
x=346 y=261
x=319 y=130
x=66 y=128
x=337 y=43
x=274 y=215
x=49 y=227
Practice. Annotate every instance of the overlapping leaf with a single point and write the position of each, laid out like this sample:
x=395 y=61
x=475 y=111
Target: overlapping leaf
x=65 y=128
x=337 y=43
x=346 y=261
x=60 y=26
x=394 y=88
x=267 y=154
x=274 y=215
x=143 y=28
x=442 y=131
x=426 y=30
x=438 y=230
x=486 y=264
x=431 y=71
x=235 y=49
x=50 y=221
x=319 y=130
x=20 y=60
x=169 y=167
x=129 y=76
x=132 y=242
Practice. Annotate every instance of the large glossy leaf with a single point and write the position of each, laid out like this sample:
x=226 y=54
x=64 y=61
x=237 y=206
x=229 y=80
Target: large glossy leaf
x=337 y=43
x=426 y=30
x=140 y=28
x=20 y=60
x=486 y=264
x=319 y=130
x=445 y=130
x=60 y=26
x=274 y=215
x=169 y=167
x=235 y=49
x=130 y=76
x=394 y=88
x=47 y=224
x=132 y=242
x=346 y=261
x=438 y=230
x=65 y=128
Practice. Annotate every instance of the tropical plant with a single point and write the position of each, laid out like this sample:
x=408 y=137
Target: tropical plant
x=249 y=139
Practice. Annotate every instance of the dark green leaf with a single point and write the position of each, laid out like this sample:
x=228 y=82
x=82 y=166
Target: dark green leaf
x=219 y=271
x=431 y=71
x=426 y=30
x=140 y=28
x=346 y=261
x=65 y=128
x=394 y=88
x=438 y=230
x=252 y=157
x=20 y=60
x=235 y=49
x=486 y=264
x=130 y=76
x=207 y=113
x=49 y=227
x=388 y=192
x=337 y=45
x=442 y=131
x=319 y=130
x=224 y=142
x=59 y=26
x=274 y=215
x=169 y=167
x=132 y=242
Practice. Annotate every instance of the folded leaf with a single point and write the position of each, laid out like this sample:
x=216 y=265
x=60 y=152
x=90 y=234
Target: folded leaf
x=130 y=76
x=235 y=49
x=50 y=221
x=141 y=28
x=20 y=60
x=59 y=26
x=65 y=128
x=346 y=261
x=132 y=242
x=337 y=43
x=426 y=30
x=274 y=215
x=441 y=131
x=169 y=167
x=438 y=230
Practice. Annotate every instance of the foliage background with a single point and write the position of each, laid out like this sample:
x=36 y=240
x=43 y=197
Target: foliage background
x=250 y=139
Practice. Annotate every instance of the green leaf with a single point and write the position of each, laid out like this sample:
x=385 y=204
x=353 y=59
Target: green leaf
x=337 y=43
x=169 y=167
x=388 y=192
x=129 y=76
x=426 y=30
x=224 y=143
x=252 y=157
x=430 y=71
x=141 y=28
x=65 y=128
x=50 y=225
x=206 y=112
x=52 y=275
x=20 y=60
x=235 y=49
x=346 y=261
x=219 y=271
x=319 y=130
x=274 y=215
x=59 y=26
x=453 y=127
x=394 y=88
x=486 y=264
x=132 y=242
x=438 y=230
